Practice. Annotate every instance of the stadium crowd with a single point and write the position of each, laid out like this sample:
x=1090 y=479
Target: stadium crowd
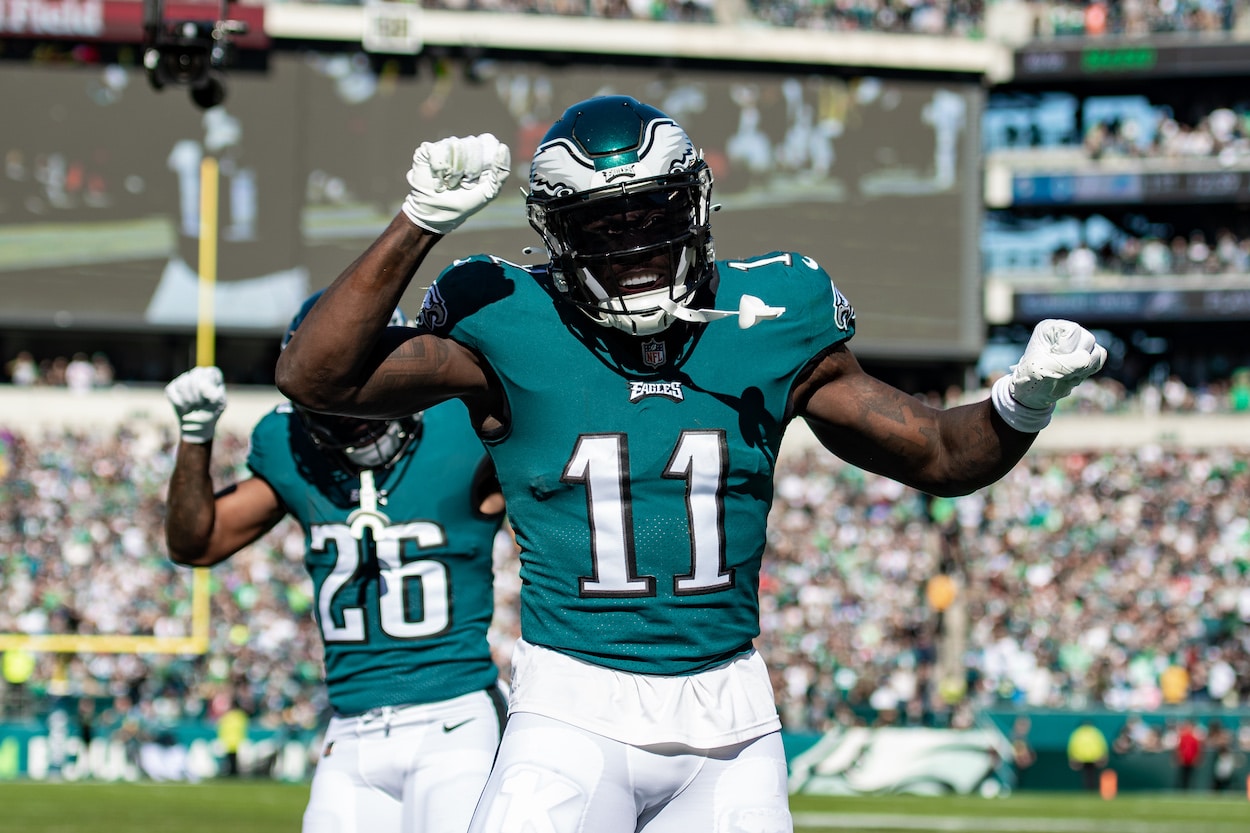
x=1109 y=578
x=79 y=373
x=1150 y=131
x=1065 y=18
x=1101 y=579
x=1195 y=253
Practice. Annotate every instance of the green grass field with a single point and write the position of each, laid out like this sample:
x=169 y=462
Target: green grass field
x=269 y=807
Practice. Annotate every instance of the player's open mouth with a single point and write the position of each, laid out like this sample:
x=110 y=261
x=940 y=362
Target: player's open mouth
x=640 y=283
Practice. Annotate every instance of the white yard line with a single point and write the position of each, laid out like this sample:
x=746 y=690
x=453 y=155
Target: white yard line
x=1011 y=824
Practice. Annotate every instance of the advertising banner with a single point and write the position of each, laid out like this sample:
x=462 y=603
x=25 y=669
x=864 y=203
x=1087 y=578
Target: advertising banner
x=918 y=761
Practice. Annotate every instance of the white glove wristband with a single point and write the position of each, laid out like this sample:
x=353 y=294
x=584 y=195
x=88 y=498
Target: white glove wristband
x=199 y=398
x=198 y=426
x=1020 y=417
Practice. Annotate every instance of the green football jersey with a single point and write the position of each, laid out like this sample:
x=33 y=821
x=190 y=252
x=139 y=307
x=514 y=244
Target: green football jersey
x=638 y=471
x=404 y=608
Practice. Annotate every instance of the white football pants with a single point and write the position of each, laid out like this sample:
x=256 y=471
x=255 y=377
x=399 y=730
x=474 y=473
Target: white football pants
x=554 y=777
x=410 y=769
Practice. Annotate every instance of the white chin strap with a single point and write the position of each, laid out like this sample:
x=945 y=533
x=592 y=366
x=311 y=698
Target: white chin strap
x=643 y=314
x=750 y=311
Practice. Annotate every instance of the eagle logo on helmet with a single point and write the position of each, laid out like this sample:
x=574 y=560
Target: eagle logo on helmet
x=564 y=165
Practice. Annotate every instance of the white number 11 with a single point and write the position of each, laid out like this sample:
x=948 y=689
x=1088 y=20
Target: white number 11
x=600 y=462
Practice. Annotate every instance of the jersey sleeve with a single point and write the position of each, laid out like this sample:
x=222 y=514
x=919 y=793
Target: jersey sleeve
x=816 y=314
x=828 y=317
x=270 y=456
x=264 y=453
x=461 y=292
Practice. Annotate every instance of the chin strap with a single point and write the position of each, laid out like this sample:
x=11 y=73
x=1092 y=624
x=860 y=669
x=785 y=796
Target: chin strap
x=368 y=514
x=750 y=311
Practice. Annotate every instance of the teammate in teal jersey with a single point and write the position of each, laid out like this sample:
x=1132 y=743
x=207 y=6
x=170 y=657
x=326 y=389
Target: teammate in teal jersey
x=635 y=437
x=399 y=518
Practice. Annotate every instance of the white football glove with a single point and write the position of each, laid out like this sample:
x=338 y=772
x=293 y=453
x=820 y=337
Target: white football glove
x=1059 y=356
x=198 y=397
x=453 y=178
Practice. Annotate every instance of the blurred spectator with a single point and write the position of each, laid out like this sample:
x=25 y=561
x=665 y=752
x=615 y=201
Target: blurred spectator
x=1188 y=753
x=1135 y=736
x=86 y=721
x=231 y=732
x=1200 y=254
x=1239 y=391
x=1087 y=753
x=1176 y=394
x=1224 y=755
x=1022 y=754
x=80 y=374
x=1156 y=258
x=1082 y=263
x=1124 y=742
x=22 y=369
x=1174 y=684
x=52 y=371
x=103 y=371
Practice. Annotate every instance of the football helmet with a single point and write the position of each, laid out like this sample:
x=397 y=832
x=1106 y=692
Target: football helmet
x=356 y=443
x=622 y=201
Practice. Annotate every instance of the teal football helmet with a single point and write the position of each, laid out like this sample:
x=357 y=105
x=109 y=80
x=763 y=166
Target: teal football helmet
x=355 y=443
x=622 y=201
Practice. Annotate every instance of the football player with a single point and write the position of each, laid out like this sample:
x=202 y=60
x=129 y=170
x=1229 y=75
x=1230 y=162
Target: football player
x=399 y=518
x=635 y=436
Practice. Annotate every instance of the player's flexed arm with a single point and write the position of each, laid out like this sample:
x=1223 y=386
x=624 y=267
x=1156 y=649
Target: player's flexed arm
x=203 y=528
x=344 y=359
x=945 y=452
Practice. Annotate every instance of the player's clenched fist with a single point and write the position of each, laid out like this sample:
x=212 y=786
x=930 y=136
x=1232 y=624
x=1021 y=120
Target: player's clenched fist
x=1059 y=356
x=199 y=398
x=453 y=178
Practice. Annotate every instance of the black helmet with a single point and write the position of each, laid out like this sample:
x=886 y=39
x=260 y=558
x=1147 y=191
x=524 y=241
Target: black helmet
x=622 y=201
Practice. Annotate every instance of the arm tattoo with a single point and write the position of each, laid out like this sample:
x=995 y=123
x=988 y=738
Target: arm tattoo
x=421 y=361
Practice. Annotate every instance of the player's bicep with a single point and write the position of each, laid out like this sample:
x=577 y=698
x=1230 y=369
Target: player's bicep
x=244 y=512
x=882 y=429
x=866 y=421
x=415 y=370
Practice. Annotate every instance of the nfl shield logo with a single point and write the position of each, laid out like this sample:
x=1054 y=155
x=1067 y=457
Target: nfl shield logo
x=653 y=352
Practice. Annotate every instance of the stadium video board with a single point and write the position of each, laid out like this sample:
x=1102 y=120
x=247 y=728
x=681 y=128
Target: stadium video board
x=875 y=178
